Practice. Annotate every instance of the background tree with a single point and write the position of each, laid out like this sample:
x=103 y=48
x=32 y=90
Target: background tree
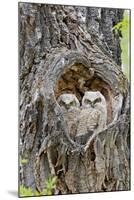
x=71 y=49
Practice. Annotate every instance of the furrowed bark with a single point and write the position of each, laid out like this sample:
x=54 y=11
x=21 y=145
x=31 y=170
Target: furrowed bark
x=60 y=48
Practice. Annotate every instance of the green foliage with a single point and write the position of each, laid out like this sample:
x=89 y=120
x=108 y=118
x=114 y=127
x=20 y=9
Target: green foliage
x=23 y=161
x=123 y=26
x=48 y=190
x=25 y=191
x=50 y=185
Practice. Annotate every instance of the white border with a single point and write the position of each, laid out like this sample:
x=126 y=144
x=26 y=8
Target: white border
x=9 y=98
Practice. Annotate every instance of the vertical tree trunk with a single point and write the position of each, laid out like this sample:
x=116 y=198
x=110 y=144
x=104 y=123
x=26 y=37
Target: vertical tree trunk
x=60 y=45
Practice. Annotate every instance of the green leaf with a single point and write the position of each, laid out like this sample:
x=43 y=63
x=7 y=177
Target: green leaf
x=25 y=191
x=48 y=190
x=24 y=161
x=123 y=26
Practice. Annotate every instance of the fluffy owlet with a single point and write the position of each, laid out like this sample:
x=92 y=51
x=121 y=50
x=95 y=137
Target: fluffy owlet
x=93 y=115
x=71 y=109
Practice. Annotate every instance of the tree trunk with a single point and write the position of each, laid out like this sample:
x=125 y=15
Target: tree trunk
x=71 y=49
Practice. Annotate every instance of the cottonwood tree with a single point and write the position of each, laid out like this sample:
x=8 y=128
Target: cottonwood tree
x=71 y=49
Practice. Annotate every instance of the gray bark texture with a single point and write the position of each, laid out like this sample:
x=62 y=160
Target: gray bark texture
x=71 y=49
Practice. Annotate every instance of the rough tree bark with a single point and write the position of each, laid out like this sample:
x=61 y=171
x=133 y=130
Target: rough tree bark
x=71 y=49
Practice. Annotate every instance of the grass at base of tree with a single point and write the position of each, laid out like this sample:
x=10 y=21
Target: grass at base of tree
x=48 y=190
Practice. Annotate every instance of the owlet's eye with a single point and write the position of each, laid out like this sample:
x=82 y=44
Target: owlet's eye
x=98 y=100
x=62 y=103
x=72 y=103
x=87 y=101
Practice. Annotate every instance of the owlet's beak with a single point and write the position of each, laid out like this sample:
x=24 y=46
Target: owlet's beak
x=92 y=105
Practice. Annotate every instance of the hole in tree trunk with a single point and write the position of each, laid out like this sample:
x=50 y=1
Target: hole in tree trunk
x=78 y=79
